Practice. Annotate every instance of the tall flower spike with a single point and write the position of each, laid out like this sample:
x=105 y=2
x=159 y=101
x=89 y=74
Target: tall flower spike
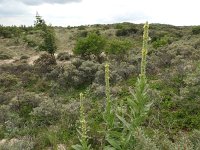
x=108 y=114
x=107 y=77
x=82 y=118
x=144 y=50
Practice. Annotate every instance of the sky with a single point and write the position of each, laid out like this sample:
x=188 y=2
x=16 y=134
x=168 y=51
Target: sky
x=86 y=12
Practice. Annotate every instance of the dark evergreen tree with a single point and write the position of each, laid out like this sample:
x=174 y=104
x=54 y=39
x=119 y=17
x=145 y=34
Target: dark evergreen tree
x=48 y=34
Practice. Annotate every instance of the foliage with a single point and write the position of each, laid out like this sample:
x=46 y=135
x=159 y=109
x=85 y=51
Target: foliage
x=118 y=47
x=45 y=63
x=108 y=113
x=8 y=80
x=40 y=100
x=83 y=138
x=135 y=110
x=24 y=143
x=4 y=56
x=91 y=44
x=196 y=30
x=9 y=32
x=63 y=56
x=48 y=35
x=126 y=30
x=161 y=42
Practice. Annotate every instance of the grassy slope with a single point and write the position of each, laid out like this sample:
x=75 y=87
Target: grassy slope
x=169 y=48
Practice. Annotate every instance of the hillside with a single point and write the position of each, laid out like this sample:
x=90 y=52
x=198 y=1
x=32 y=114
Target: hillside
x=39 y=93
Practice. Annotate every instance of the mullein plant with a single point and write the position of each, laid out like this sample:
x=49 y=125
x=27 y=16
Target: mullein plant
x=108 y=113
x=121 y=136
x=83 y=138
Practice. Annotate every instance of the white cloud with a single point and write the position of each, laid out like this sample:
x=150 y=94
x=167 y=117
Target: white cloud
x=176 y=12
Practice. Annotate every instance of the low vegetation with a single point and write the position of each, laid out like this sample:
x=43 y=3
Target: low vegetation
x=129 y=99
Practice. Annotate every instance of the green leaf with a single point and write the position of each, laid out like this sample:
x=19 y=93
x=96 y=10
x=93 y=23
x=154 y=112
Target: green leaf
x=123 y=121
x=77 y=147
x=109 y=148
x=115 y=134
x=114 y=143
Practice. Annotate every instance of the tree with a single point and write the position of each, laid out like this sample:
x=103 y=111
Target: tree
x=48 y=35
x=39 y=22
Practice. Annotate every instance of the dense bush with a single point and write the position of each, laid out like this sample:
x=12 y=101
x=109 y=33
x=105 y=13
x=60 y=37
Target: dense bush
x=24 y=143
x=45 y=63
x=161 y=42
x=126 y=31
x=91 y=44
x=118 y=72
x=10 y=31
x=196 y=30
x=48 y=34
x=23 y=104
x=63 y=56
x=8 y=80
x=47 y=113
x=118 y=47
x=81 y=74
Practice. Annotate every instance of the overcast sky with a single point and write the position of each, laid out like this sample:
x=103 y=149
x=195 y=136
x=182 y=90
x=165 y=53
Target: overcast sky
x=84 y=12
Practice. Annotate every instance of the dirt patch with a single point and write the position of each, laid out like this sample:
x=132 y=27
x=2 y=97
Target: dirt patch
x=31 y=60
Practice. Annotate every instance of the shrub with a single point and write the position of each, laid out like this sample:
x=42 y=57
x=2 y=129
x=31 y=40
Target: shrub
x=45 y=63
x=69 y=78
x=49 y=44
x=73 y=76
x=16 y=69
x=88 y=70
x=92 y=44
x=30 y=42
x=4 y=113
x=118 y=72
x=196 y=30
x=23 y=104
x=4 y=56
x=25 y=143
x=81 y=27
x=5 y=97
x=83 y=34
x=28 y=78
x=126 y=31
x=24 y=57
x=63 y=56
x=47 y=113
x=8 y=80
x=48 y=34
x=118 y=47
x=162 y=41
x=77 y=62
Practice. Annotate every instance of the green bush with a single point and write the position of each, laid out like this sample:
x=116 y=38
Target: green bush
x=161 y=42
x=92 y=44
x=8 y=80
x=196 y=30
x=126 y=31
x=48 y=34
x=118 y=47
